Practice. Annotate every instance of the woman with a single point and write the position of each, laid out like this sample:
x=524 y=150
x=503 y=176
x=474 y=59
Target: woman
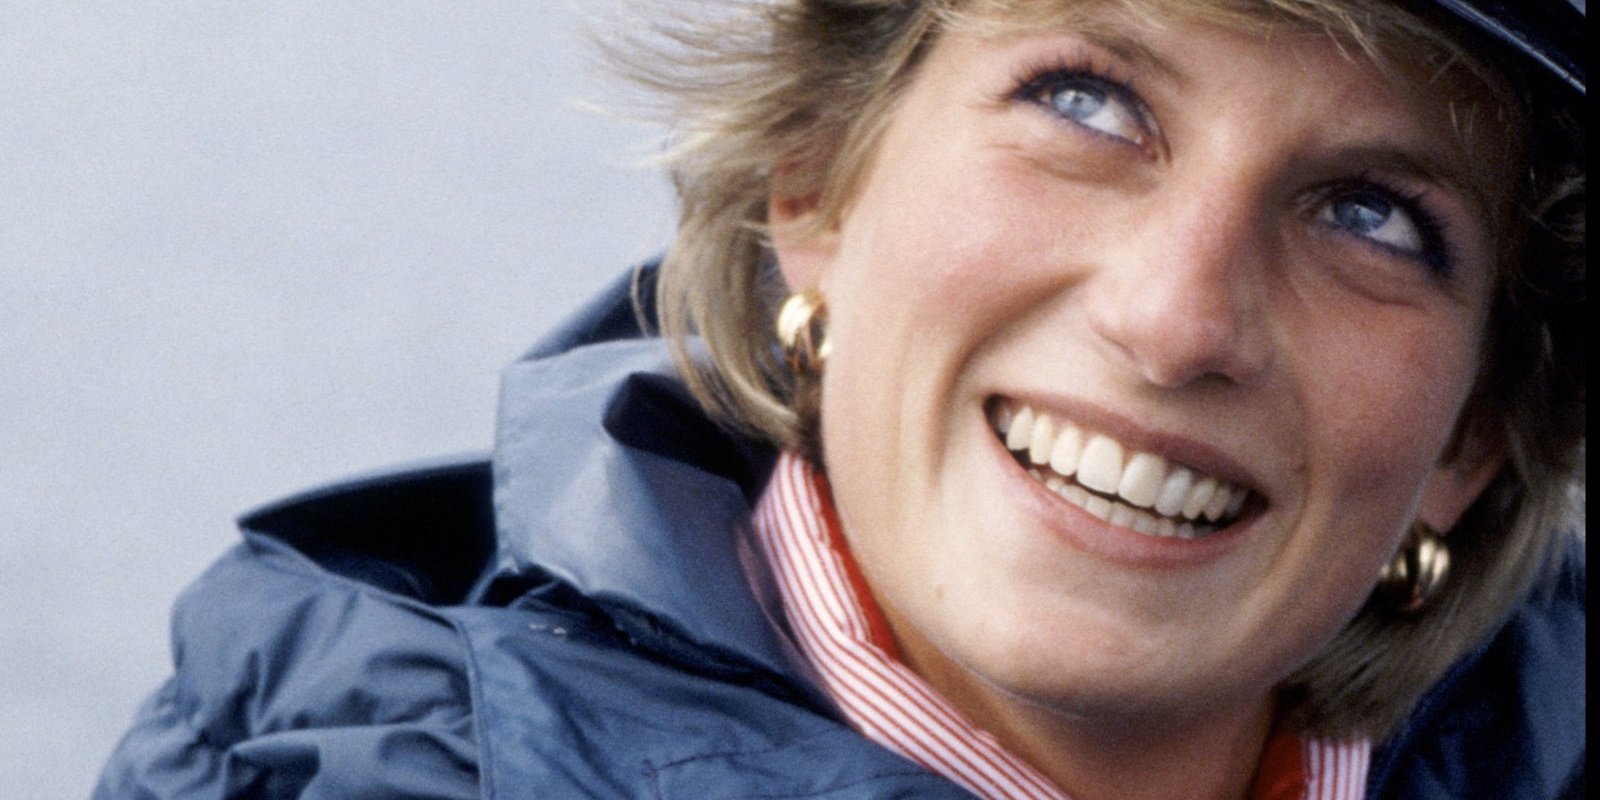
x=1127 y=345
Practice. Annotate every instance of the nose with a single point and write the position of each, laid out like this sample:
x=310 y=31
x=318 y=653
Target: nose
x=1182 y=298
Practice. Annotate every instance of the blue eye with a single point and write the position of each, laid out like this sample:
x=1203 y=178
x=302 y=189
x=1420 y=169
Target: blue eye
x=1374 y=217
x=1393 y=223
x=1093 y=102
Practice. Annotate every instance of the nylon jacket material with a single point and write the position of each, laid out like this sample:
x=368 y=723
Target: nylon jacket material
x=586 y=616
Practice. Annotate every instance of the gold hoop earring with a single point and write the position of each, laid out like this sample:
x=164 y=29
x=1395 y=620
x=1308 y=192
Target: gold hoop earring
x=1416 y=573
x=802 y=332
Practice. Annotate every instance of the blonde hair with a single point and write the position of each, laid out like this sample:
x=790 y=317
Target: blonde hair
x=787 y=98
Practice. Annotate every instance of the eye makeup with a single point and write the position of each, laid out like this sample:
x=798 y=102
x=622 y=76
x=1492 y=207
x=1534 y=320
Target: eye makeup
x=1432 y=250
x=1088 y=93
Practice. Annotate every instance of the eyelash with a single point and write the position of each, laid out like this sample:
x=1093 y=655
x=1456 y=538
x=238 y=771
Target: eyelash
x=1032 y=82
x=1435 y=253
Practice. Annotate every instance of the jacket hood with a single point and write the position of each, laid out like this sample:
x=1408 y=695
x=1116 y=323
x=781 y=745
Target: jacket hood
x=605 y=441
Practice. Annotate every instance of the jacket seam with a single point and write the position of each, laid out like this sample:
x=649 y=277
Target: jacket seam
x=486 y=754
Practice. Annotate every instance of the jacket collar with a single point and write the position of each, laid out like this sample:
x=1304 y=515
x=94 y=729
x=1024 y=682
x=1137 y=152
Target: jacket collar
x=610 y=480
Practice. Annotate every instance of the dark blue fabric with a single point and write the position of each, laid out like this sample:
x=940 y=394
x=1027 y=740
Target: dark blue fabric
x=1508 y=721
x=622 y=638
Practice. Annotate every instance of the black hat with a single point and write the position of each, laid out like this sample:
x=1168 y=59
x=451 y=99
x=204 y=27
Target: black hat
x=1549 y=32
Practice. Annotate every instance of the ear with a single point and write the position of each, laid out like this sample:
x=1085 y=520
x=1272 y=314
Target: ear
x=803 y=243
x=1458 y=481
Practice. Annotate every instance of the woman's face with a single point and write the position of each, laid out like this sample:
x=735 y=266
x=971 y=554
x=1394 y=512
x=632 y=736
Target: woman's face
x=1208 y=259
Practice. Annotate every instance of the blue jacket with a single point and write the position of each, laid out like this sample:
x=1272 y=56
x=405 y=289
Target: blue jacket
x=586 y=617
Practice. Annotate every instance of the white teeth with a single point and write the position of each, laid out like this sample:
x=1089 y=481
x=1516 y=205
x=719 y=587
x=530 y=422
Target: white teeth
x=1146 y=524
x=1078 y=495
x=1141 y=479
x=1121 y=515
x=1099 y=507
x=1138 y=480
x=1174 y=492
x=1199 y=496
x=1068 y=451
x=1044 y=436
x=1101 y=466
x=1236 y=504
x=1002 y=419
x=1021 y=430
x=1219 y=503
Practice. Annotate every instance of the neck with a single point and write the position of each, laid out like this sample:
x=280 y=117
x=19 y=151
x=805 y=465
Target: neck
x=1114 y=754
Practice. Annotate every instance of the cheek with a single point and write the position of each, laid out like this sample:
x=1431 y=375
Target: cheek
x=960 y=257
x=1383 y=401
x=924 y=281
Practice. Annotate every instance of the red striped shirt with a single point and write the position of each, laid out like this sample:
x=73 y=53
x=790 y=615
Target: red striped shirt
x=841 y=632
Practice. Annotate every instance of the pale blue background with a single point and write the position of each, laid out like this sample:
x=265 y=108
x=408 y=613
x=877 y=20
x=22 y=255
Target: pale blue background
x=246 y=247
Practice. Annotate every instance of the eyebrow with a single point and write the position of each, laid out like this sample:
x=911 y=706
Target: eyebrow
x=1129 y=48
x=1109 y=35
x=1434 y=167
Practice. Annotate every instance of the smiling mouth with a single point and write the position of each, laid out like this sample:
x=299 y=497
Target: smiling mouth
x=1140 y=491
